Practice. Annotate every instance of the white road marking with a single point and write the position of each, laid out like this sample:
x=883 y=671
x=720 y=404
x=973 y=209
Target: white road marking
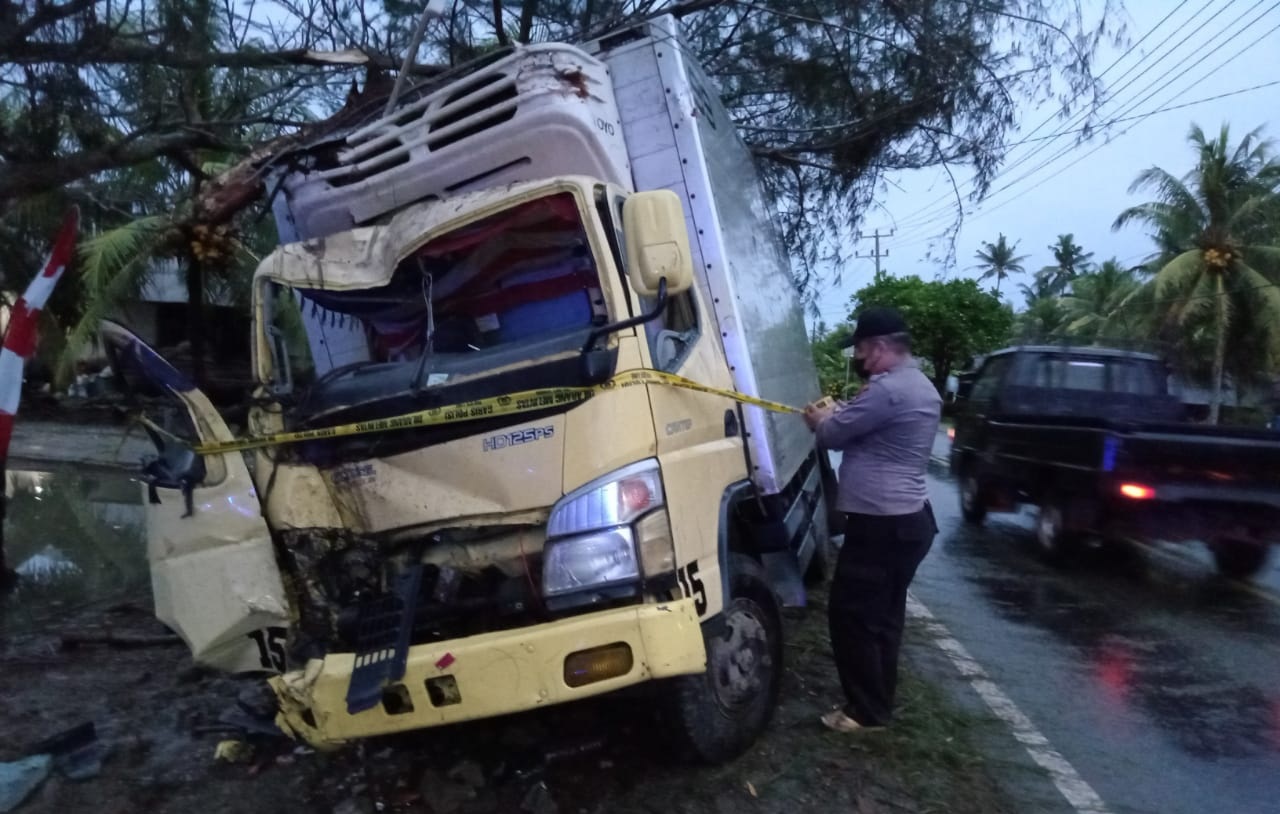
x=1079 y=793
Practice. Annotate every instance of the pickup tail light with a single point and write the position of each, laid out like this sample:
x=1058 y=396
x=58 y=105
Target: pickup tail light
x=951 y=433
x=1137 y=491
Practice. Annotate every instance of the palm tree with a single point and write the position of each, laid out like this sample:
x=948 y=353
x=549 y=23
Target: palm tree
x=1044 y=319
x=1039 y=289
x=998 y=260
x=164 y=223
x=1216 y=231
x=1071 y=262
x=1102 y=304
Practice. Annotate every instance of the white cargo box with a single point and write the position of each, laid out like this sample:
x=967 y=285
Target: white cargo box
x=680 y=137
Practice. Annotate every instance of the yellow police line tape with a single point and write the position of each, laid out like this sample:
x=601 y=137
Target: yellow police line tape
x=492 y=407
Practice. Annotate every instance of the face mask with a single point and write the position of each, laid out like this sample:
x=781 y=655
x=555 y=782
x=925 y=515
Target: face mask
x=860 y=369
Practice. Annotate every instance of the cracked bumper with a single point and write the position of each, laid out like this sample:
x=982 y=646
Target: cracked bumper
x=495 y=673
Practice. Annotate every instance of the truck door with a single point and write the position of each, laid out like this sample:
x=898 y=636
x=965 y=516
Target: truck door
x=213 y=569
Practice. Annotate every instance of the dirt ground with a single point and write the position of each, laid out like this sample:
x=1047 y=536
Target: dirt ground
x=157 y=717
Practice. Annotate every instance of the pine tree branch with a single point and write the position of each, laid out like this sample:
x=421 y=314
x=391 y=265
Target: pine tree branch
x=30 y=178
x=92 y=50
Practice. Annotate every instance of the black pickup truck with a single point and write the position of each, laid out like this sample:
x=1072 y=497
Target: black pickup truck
x=1092 y=437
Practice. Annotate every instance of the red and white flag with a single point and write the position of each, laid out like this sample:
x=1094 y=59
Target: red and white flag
x=20 y=338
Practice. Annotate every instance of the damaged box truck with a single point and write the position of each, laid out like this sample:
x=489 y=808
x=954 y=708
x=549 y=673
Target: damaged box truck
x=542 y=220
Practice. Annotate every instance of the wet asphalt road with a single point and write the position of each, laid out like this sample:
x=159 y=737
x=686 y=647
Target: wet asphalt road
x=1157 y=680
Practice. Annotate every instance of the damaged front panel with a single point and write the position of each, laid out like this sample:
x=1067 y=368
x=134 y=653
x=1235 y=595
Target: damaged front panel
x=213 y=565
x=493 y=673
x=471 y=580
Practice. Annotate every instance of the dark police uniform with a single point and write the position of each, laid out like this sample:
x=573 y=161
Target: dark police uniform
x=886 y=434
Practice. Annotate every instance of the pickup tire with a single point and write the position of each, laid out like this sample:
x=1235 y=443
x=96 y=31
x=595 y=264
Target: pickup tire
x=1055 y=542
x=1239 y=558
x=721 y=712
x=972 y=506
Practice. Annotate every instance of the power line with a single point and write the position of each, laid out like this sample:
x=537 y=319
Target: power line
x=1151 y=113
x=1230 y=59
x=1062 y=153
x=1115 y=92
x=1134 y=118
x=1074 y=119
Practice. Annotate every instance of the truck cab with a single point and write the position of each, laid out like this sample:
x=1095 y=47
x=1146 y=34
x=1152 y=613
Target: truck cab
x=484 y=514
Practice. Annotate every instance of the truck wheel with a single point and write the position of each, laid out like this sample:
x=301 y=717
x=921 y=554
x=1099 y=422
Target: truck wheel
x=722 y=711
x=1239 y=558
x=972 y=507
x=1055 y=541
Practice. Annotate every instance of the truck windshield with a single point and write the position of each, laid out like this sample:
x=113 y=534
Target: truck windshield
x=517 y=285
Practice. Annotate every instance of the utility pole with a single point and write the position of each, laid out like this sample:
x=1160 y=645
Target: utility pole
x=877 y=254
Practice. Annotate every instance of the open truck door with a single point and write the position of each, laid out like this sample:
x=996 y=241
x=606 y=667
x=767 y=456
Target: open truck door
x=213 y=568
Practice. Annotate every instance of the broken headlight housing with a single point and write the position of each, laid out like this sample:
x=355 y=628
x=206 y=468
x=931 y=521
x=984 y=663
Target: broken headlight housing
x=603 y=537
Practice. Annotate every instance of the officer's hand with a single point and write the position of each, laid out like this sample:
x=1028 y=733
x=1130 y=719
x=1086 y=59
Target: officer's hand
x=813 y=416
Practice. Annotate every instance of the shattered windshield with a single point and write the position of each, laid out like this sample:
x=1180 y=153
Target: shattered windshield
x=517 y=285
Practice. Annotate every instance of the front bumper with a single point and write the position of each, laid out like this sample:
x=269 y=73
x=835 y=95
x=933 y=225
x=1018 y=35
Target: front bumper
x=495 y=673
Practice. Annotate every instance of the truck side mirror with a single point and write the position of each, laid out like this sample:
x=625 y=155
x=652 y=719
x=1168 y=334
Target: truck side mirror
x=657 y=242
x=175 y=466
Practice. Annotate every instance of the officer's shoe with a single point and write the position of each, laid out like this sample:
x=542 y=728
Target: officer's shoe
x=837 y=721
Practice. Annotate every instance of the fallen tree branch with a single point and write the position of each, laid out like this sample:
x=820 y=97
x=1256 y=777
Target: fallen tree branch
x=124 y=52
x=18 y=180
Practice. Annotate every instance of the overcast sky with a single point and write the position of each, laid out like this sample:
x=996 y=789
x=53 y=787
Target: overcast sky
x=1086 y=194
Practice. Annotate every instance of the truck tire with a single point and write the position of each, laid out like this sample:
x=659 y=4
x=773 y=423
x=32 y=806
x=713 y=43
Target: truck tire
x=1239 y=558
x=972 y=506
x=1054 y=540
x=721 y=712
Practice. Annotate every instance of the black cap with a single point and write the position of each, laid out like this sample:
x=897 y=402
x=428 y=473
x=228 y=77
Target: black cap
x=878 y=321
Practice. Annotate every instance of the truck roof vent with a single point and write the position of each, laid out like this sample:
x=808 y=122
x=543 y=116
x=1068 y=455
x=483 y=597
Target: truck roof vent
x=488 y=109
x=540 y=111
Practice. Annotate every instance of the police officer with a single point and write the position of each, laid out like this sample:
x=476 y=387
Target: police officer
x=885 y=434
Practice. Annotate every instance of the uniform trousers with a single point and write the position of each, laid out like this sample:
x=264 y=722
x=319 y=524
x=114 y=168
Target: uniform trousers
x=867 y=606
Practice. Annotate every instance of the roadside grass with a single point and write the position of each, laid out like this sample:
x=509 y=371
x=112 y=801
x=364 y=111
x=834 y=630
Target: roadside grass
x=927 y=761
x=931 y=748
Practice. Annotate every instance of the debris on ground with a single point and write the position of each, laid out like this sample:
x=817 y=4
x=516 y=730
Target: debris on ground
x=233 y=751
x=469 y=773
x=77 y=753
x=442 y=795
x=538 y=800
x=157 y=720
x=19 y=778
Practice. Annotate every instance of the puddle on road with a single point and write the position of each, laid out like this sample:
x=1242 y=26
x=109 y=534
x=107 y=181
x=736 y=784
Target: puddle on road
x=75 y=538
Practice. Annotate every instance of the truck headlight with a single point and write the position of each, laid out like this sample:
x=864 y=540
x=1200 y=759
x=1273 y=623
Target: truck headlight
x=594 y=560
x=607 y=533
x=613 y=500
